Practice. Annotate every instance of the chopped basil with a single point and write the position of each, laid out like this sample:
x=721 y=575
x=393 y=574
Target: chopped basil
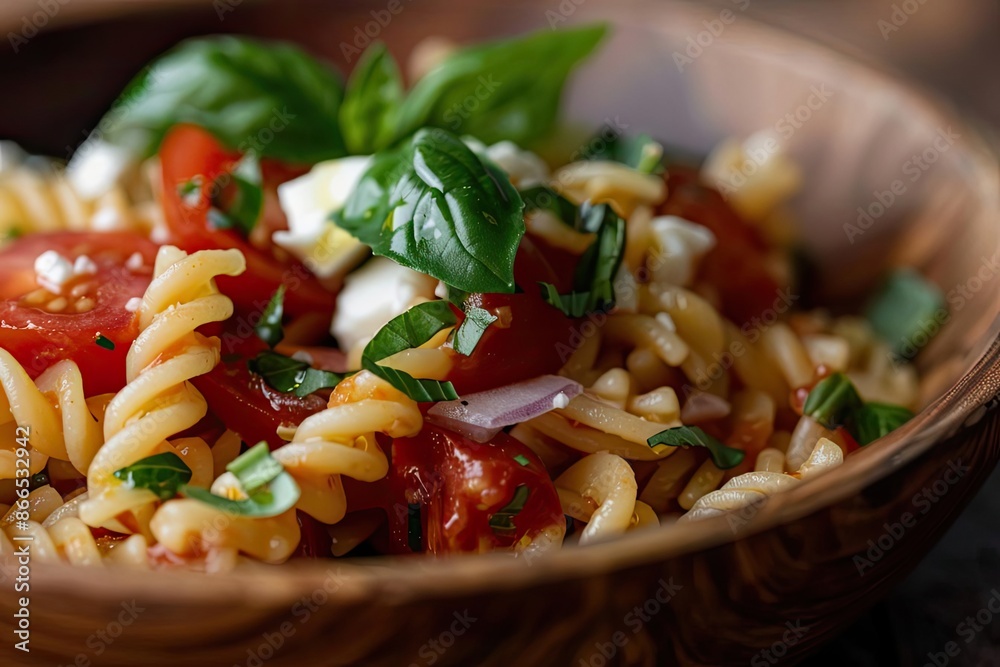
x=269 y=97
x=255 y=467
x=414 y=528
x=269 y=329
x=476 y=321
x=593 y=280
x=832 y=401
x=502 y=521
x=516 y=85
x=190 y=191
x=874 y=420
x=105 y=342
x=371 y=102
x=270 y=489
x=522 y=459
x=163 y=474
x=404 y=332
x=906 y=312
x=237 y=197
x=640 y=152
x=433 y=206
x=723 y=457
x=289 y=375
x=544 y=198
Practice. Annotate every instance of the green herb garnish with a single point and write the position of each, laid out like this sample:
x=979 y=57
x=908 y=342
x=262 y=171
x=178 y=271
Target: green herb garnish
x=404 y=332
x=476 y=321
x=723 y=456
x=434 y=206
x=289 y=375
x=105 y=342
x=270 y=489
x=268 y=329
x=875 y=420
x=522 y=459
x=641 y=152
x=832 y=401
x=237 y=197
x=906 y=312
x=371 y=102
x=163 y=474
x=269 y=97
x=502 y=521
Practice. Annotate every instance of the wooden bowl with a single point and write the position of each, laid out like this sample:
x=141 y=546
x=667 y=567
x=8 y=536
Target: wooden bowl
x=772 y=583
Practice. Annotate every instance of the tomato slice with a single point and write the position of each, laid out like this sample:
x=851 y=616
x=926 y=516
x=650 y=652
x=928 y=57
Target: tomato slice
x=458 y=485
x=40 y=328
x=189 y=152
x=736 y=265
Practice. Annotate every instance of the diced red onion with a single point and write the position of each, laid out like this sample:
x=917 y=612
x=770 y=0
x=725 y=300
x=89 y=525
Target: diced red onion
x=701 y=407
x=481 y=415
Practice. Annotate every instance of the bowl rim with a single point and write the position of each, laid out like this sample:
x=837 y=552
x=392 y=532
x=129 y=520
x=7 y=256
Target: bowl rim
x=394 y=579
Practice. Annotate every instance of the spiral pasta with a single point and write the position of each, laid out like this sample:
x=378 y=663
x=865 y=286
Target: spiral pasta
x=158 y=400
x=44 y=200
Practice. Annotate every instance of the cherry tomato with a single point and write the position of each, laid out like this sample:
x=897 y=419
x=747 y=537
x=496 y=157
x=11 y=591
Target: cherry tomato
x=189 y=153
x=736 y=265
x=458 y=486
x=40 y=328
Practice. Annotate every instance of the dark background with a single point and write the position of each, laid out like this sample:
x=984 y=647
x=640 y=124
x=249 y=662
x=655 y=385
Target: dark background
x=949 y=46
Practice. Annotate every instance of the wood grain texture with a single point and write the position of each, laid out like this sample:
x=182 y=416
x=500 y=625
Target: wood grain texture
x=734 y=585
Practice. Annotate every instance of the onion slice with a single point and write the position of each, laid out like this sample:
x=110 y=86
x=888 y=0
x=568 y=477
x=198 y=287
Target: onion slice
x=481 y=415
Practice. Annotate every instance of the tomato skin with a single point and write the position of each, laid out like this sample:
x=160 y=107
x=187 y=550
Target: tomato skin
x=188 y=152
x=736 y=265
x=246 y=404
x=459 y=484
x=535 y=341
x=38 y=338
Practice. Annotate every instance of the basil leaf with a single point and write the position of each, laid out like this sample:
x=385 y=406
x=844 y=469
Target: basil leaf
x=906 y=312
x=435 y=207
x=237 y=198
x=641 y=152
x=574 y=304
x=502 y=521
x=255 y=467
x=404 y=332
x=544 y=198
x=476 y=321
x=163 y=474
x=832 y=400
x=289 y=375
x=269 y=97
x=268 y=329
x=874 y=420
x=593 y=280
x=723 y=457
x=279 y=496
x=504 y=90
x=372 y=100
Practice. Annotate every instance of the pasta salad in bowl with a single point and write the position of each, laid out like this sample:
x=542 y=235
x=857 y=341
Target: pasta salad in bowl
x=263 y=317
